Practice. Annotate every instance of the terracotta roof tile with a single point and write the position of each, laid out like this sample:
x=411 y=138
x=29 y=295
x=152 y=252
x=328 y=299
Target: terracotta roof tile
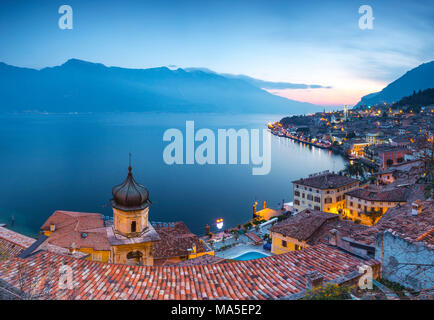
x=326 y=181
x=313 y=226
x=85 y=230
x=419 y=228
x=176 y=240
x=392 y=195
x=271 y=277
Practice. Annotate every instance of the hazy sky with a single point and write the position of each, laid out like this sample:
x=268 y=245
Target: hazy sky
x=312 y=42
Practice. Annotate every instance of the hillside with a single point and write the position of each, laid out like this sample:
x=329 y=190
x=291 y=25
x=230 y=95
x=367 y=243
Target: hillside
x=419 y=78
x=417 y=99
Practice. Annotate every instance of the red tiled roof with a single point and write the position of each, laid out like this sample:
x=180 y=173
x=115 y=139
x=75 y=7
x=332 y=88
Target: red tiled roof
x=418 y=228
x=391 y=195
x=302 y=225
x=175 y=241
x=71 y=226
x=326 y=181
x=16 y=238
x=313 y=226
x=271 y=277
x=13 y=243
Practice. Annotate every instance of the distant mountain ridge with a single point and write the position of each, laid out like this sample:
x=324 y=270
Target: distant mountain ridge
x=419 y=78
x=81 y=86
x=261 y=83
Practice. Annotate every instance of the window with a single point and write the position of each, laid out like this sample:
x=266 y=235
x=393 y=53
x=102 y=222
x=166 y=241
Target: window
x=96 y=256
x=302 y=195
x=133 y=226
x=317 y=208
x=297 y=202
x=328 y=200
x=309 y=197
x=317 y=199
x=284 y=244
x=297 y=193
x=297 y=247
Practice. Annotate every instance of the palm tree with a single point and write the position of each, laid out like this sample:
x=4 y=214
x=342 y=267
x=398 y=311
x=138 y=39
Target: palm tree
x=355 y=169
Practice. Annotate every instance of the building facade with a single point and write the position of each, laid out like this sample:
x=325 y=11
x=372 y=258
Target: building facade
x=367 y=206
x=322 y=192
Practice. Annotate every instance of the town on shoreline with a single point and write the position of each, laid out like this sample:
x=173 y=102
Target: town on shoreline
x=374 y=216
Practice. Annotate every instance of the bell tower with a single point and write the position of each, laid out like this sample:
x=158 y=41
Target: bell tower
x=130 y=207
x=132 y=234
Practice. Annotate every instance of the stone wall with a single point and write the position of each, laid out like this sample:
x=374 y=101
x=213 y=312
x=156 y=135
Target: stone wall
x=406 y=262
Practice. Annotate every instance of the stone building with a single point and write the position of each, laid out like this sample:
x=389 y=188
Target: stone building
x=322 y=192
x=368 y=205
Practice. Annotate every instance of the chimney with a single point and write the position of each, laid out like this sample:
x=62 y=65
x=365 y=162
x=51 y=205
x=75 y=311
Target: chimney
x=52 y=227
x=334 y=237
x=72 y=248
x=265 y=204
x=254 y=209
x=314 y=280
x=416 y=208
x=283 y=204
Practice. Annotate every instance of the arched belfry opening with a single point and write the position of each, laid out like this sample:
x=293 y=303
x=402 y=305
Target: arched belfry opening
x=134 y=258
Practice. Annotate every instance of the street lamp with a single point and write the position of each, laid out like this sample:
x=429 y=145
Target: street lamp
x=219 y=223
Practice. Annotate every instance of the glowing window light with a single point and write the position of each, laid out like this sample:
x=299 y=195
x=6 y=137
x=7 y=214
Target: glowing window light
x=219 y=223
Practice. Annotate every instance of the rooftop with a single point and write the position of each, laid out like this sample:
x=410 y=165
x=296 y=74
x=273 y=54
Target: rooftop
x=392 y=195
x=419 y=228
x=176 y=240
x=13 y=243
x=85 y=230
x=326 y=181
x=313 y=226
x=271 y=277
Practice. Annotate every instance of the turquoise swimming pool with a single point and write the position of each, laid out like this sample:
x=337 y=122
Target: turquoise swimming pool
x=250 y=256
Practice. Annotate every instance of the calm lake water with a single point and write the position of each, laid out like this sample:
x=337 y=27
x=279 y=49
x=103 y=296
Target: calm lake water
x=71 y=162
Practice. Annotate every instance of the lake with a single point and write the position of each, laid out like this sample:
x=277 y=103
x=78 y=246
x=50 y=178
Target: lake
x=71 y=162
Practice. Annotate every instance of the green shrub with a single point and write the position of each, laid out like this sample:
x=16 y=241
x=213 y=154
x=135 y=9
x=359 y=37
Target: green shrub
x=328 y=292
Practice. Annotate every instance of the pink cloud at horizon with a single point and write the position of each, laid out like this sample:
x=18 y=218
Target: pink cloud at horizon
x=324 y=97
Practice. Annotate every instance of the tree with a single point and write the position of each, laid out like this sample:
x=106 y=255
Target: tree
x=355 y=169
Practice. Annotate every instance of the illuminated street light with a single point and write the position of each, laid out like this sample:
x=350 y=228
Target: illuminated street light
x=219 y=223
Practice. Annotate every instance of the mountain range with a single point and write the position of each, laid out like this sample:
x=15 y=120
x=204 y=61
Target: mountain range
x=419 y=78
x=261 y=83
x=81 y=86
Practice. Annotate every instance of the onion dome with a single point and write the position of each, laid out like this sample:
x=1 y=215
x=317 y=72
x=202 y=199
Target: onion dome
x=130 y=195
